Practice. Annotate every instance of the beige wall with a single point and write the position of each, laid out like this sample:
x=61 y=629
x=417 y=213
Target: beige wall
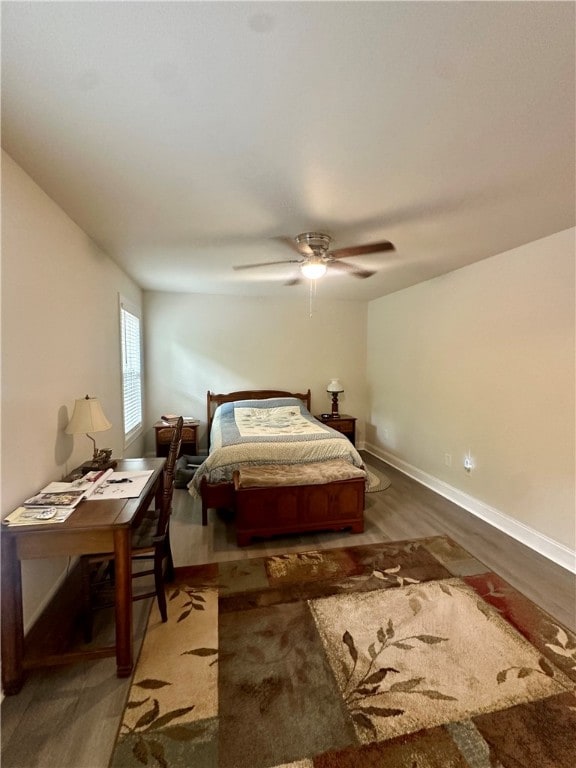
x=222 y=343
x=60 y=341
x=482 y=360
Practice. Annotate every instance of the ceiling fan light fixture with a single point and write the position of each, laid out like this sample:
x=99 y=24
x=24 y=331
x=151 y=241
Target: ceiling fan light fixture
x=313 y=269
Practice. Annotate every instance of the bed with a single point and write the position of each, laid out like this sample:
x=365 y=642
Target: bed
x=251 y=428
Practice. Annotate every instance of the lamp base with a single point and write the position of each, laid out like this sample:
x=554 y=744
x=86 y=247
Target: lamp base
x=97 y=466
x=335 y=414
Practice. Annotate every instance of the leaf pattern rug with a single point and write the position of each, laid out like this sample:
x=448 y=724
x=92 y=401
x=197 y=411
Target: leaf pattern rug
x=404 y=654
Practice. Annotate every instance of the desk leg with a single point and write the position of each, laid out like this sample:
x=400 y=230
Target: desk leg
x=123 y=565
x=12 y=621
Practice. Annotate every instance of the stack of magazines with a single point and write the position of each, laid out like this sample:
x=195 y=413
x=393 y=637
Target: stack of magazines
x=57 y=501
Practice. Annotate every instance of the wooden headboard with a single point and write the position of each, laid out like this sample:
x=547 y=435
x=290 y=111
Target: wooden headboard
x=214 y=400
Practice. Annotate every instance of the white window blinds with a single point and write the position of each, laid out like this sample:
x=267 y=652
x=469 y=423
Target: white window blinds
x=131 y=371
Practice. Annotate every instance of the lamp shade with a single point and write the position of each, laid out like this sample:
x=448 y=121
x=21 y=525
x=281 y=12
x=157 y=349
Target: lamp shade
x=88 y=416
x=335 y=386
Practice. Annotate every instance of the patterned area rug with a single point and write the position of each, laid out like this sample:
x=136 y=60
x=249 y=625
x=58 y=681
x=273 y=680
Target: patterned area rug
x=405 y=655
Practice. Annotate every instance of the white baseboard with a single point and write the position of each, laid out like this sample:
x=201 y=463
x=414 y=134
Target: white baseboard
x=553 y=550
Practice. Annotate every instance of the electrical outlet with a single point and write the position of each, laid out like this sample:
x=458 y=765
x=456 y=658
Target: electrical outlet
x=448 y=459
x=468 y=463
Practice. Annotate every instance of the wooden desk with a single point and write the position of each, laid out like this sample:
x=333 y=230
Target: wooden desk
x=94 y=526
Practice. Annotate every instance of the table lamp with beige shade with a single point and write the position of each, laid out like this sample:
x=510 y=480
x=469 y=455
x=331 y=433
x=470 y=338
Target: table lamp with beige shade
x=87 y=417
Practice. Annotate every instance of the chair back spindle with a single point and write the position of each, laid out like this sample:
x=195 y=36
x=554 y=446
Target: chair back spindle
x=168 y=478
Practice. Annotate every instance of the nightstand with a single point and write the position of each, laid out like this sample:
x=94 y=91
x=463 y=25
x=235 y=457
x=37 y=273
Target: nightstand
x=164 y=431
x=343 y=423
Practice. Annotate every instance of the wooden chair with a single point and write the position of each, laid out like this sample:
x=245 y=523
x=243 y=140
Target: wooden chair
x=150 y=542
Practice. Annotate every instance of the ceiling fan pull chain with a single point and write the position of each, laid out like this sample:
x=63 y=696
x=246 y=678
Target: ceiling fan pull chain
x=312 y=294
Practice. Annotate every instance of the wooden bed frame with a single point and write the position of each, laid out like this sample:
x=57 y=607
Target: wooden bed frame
x=215 y=495
x=282 y=509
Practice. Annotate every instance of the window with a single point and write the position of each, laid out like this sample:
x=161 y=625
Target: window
x=131 y=342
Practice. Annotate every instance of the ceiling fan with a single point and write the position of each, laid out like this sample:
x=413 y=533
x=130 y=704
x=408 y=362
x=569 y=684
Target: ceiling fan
x=315 y=256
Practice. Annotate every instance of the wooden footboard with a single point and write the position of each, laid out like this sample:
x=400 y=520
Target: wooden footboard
x=272 y=510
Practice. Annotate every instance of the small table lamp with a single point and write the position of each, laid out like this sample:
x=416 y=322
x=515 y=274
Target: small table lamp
x=88 y=416
x=335 y=387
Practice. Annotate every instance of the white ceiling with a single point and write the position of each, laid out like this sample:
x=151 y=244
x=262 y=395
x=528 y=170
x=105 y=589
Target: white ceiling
x=188 y=137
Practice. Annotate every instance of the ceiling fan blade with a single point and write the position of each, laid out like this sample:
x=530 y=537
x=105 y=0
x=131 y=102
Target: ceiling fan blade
x=342 y=266
x=360 y=250
x=294 y=281
x=265 y=264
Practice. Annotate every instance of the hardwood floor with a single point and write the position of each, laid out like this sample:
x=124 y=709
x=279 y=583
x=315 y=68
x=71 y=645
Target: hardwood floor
x=67 y=717
x=405 y=510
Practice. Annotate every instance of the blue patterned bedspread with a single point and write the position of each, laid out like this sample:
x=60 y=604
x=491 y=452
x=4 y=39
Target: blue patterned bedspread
x=274 y=431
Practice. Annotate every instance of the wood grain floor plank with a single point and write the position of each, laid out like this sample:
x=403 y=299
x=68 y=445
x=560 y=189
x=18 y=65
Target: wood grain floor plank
x=405 y=510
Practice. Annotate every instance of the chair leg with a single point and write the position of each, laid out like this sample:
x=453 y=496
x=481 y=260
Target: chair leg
x=169 y=573
x=159 y=584
x=204 y=513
